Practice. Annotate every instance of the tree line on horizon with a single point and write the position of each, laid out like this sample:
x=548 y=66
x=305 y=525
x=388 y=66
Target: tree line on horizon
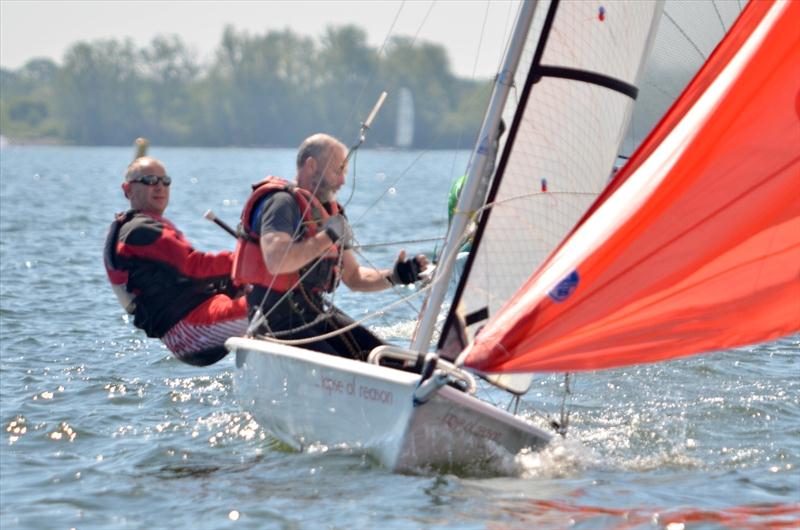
x=272 y=89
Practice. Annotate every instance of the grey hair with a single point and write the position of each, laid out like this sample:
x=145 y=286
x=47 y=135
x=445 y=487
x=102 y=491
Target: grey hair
x=316 y=146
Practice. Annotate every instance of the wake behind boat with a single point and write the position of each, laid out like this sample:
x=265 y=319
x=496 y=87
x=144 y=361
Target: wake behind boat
x=544 y=214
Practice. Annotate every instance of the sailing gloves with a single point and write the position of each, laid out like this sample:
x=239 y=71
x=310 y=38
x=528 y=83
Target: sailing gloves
x=338 y=230
x=405 y=272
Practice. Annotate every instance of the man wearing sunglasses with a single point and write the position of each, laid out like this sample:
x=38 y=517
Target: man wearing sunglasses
x=184 y=297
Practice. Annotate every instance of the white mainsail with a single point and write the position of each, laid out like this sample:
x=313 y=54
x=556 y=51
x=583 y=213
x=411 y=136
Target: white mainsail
x=575 y=102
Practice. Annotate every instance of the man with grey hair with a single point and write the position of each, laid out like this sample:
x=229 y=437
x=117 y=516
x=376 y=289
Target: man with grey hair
x=175 y=293
x=298 y=247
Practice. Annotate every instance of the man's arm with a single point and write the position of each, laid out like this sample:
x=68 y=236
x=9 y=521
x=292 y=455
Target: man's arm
x=149 y=238
x=360 y=278
x=282 y=255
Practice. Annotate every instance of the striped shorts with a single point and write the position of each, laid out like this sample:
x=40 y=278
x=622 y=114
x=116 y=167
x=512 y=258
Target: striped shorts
x=199 y=339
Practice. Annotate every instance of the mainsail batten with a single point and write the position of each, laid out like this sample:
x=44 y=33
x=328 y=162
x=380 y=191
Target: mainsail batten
x=711 y=258
x=590 y=77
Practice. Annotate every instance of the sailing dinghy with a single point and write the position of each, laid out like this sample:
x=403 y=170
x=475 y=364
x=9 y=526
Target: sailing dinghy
x=693 y=246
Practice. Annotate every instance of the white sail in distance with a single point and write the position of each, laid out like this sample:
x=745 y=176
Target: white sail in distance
x=404 y=132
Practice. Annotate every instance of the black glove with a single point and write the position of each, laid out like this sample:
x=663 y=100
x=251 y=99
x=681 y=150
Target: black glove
x=235 y=291
x=405 y=272
x=338 y=230
x=227 y=287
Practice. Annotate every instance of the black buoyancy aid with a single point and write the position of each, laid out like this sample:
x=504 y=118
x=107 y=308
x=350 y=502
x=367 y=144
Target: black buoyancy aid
x=155 y=292
x=248 y=262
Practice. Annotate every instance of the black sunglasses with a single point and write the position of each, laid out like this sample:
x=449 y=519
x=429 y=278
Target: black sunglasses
x=152 y=180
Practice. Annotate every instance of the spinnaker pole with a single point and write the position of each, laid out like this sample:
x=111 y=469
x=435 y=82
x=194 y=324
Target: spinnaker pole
x=366 y=124
x=470 y=199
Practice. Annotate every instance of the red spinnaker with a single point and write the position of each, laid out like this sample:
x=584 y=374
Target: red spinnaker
x=696 y=244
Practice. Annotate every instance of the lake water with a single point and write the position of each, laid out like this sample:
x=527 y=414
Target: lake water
x=102 y=428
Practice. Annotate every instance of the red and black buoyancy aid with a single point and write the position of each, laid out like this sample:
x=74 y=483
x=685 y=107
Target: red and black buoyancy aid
x=149 y=283
x=248 y=262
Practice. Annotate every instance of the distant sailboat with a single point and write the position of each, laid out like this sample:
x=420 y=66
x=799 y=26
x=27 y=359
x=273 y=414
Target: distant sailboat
x=404 y=132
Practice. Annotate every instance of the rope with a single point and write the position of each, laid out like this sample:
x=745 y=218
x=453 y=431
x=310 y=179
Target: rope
x=319 y=318
x=563 y=423
x=369 y=316
x=349 y=342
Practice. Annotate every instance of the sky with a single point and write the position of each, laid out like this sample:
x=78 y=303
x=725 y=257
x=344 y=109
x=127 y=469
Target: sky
x=30 y=28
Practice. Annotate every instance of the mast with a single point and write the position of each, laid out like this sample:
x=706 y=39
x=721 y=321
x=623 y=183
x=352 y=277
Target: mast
x=470 y=199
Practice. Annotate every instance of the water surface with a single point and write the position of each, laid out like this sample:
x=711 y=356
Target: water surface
x=102 y=428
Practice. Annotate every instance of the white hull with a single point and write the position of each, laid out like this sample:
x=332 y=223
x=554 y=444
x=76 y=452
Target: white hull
x=304 y=398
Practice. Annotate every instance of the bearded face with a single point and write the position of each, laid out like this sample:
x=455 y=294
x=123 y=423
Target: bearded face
x=328 y=178
x=323 y=189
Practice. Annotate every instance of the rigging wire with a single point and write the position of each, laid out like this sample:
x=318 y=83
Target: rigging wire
x=352 y=186
x=485 y=388
x=480 y=40
x=474 y=73
x=507 y=35
x=486 y=92
x=399 y=243
x=393 y=183
x=354 y=108
x=422 y=24
x=368 y=82
x=686 y=36
x=719 y=16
